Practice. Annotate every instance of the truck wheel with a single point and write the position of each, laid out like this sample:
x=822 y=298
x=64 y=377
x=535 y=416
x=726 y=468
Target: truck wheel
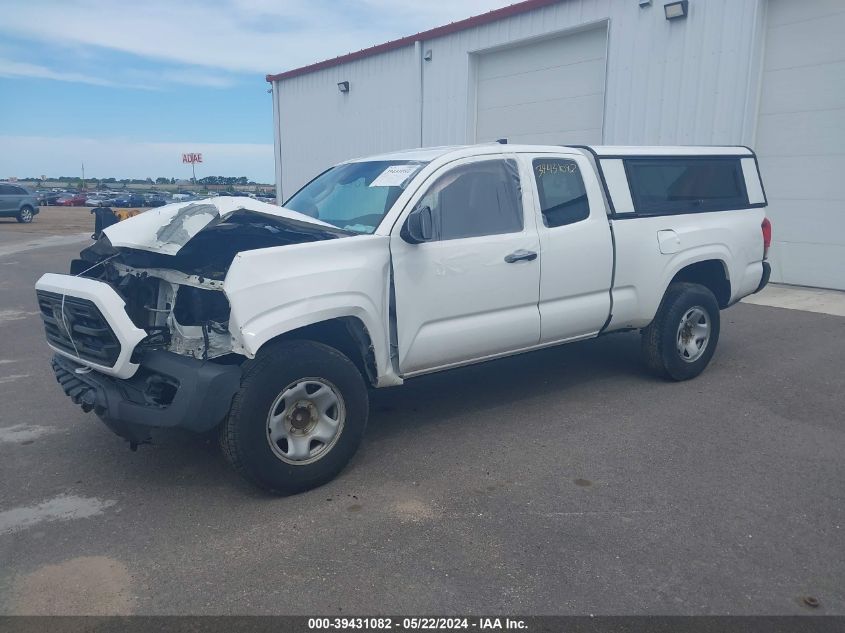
x=25 y=215
x=298 y=418
x=681 y=340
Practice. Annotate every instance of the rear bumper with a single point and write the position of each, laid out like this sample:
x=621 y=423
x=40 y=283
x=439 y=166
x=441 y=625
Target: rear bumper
x=168 y=391
x=764 y=280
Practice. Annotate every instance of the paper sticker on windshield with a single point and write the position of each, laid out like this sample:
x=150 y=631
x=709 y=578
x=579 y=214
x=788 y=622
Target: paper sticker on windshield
x=394 y=176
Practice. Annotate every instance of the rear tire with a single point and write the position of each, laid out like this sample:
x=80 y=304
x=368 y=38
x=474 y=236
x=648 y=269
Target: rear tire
x=25 y=215
x=682 y=339
x=298 y=418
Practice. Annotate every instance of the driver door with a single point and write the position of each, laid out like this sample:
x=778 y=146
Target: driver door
x=471 y=291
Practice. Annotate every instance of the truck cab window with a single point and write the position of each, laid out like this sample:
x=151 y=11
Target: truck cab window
x=477 y=199
x=563 y=199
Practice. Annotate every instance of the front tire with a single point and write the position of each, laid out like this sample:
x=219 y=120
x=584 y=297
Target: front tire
x=298 y=418
x=682 y=339
x=25 y=215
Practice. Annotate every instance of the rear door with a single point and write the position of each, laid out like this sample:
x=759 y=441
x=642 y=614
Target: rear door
x=471 y=292
x=576 y=261
x=7 y=198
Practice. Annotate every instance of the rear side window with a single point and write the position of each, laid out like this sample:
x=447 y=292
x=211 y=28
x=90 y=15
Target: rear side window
x=563 y=199
x=481 y=198
x=686 y=185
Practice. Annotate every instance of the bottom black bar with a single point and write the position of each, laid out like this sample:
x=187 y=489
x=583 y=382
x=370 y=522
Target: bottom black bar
x=403 y=624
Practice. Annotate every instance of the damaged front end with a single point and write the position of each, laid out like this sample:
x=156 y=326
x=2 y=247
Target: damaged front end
x=141 y=325
x=170 y=273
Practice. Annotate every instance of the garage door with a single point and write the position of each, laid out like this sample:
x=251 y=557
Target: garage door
x=801 y=140
x=550 y=91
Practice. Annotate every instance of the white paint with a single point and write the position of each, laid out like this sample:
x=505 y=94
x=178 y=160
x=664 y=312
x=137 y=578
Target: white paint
x=43 y=242
x=168 y=228
x=275 y=290
x=574 y=298
x=12 y=378
x=801 y=140
x=113 y=309
x=24 y=432
x=61 y=508
x=800 y=298
x=458 y=301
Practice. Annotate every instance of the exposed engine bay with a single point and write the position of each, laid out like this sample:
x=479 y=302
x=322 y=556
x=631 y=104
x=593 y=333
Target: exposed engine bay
x=179 y=299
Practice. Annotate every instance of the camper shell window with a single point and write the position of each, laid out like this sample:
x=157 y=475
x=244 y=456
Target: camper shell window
x=663 y=186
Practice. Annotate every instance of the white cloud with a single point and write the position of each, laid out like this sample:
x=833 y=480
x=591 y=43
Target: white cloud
x=10 y=68
x=26 y=156
x=244 y=36
x=140 y=79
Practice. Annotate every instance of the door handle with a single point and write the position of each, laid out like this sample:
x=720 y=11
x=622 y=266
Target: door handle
x=520 y=256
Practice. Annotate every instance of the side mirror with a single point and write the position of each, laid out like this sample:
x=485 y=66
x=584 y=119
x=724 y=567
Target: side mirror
x=419 y=227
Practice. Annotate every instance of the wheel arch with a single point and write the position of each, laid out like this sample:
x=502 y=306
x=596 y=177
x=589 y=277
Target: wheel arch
x=347 y=334
x=713 y=274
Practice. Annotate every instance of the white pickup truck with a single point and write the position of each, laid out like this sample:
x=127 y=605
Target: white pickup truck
x=271 y=323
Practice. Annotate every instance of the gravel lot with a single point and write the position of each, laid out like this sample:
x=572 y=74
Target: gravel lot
x=50 y=221
x=566 y=481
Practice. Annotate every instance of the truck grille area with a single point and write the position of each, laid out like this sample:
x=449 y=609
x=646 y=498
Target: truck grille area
x=83 y=331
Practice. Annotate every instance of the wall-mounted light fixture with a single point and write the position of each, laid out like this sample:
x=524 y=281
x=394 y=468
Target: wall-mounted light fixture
x=343 y=86
x=427 y=55
x=645 y=3
x=676 y=10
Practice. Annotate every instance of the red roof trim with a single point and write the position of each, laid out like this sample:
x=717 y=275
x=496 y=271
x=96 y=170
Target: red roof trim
x=468 y=23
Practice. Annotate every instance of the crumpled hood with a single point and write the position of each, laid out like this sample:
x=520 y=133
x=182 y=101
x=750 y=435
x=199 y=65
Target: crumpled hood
x=167 y=229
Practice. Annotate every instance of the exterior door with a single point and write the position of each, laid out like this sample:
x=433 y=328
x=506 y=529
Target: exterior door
x=800 y=140
x=576 y=261
x=471 y=291
x=7 y=198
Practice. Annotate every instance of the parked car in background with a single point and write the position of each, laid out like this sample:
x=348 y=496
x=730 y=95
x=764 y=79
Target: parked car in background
x=98 y=200
x=182 y=197
x=72 y=200
x=155 y=200
x=47 y=198
x=129 y=200
x=17 y=202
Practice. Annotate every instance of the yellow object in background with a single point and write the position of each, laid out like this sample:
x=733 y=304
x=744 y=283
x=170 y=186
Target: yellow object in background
x=123 y=214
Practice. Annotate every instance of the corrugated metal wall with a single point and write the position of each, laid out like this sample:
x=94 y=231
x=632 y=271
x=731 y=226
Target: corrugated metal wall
x=321 y=126
x=691 y=81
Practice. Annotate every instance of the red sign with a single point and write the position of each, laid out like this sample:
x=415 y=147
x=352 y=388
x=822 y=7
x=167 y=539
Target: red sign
x=191 y=158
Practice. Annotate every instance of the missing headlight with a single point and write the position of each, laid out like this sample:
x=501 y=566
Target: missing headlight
x=197 y=306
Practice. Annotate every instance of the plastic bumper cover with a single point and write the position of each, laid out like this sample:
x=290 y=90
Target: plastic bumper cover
x=168 y=391
x=764 y=280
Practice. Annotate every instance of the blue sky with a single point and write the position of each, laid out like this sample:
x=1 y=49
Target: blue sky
x=127 y=86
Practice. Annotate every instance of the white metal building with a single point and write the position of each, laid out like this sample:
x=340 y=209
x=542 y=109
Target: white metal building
x=769 y=74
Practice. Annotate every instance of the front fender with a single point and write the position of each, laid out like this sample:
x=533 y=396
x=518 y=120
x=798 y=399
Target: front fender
x=276 y=290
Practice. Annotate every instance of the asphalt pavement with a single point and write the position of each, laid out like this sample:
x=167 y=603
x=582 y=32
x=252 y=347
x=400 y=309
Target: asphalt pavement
x=567 y=481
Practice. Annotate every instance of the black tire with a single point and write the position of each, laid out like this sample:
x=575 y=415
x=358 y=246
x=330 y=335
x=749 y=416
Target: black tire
x=244 y=435
x=25 y=215
x=660 y=340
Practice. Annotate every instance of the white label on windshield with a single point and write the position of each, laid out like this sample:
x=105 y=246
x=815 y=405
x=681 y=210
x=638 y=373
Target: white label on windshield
x=394 y=176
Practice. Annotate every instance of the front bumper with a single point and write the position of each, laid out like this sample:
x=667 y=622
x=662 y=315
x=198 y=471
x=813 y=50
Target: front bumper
x=168 y=391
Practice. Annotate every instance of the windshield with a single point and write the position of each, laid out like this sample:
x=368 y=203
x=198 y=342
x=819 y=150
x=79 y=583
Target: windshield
x=355 y=196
